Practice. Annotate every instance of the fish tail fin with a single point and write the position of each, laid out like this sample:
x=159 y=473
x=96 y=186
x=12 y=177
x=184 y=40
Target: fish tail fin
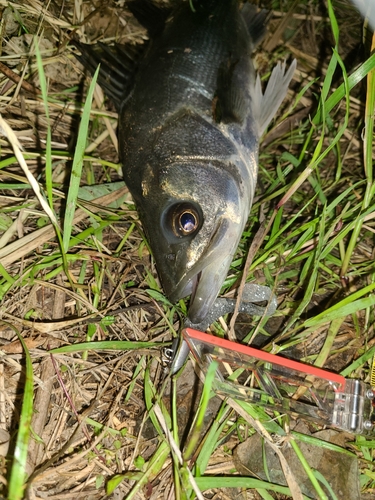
x=267 y=103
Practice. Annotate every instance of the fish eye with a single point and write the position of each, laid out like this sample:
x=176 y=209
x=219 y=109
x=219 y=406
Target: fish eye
x=187 y=222
x=185 y=219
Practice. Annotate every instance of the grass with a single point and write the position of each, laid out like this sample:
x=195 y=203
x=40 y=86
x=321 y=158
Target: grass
x=78 y=284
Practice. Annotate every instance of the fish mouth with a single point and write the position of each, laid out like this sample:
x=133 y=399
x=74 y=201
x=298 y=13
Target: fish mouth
x=204 y=280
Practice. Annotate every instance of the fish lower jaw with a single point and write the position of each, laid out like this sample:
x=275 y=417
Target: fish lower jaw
x=199 y=306
x=208 y=286
x=184 y=289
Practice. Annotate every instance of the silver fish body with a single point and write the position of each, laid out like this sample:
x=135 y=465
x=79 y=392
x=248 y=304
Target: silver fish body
x=189 y=127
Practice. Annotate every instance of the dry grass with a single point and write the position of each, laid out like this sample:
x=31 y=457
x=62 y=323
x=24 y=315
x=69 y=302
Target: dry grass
x=93 y=414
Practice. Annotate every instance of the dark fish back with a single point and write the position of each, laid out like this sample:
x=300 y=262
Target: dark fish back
x=175 y=88
x=181 y=64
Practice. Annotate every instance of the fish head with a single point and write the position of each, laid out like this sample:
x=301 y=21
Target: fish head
x=193 y=215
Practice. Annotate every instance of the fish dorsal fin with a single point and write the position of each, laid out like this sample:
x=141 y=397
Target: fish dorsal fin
x=118 y=64
x=255 y=21
x=149 y=14
x=229 y=105
x=266 y=105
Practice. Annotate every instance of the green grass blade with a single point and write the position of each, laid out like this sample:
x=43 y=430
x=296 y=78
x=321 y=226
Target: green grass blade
x=212 y=439
x=308 y=470
x=340 y=92
x=205 y=398
x=347 y=306
x=76 y=173
x=18 y=471
x=118 y=345
x=313 y=441
x=153 y=468
x=207 y=483
x=359 y=362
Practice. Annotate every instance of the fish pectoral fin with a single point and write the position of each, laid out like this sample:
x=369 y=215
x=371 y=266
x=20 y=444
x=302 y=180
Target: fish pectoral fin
x=118 y=64
x=149 y=14
x=230 y=103
x=255 y=21
x=266 y=105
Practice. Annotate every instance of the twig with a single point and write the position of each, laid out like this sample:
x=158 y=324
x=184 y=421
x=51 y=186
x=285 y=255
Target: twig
x=17 y=79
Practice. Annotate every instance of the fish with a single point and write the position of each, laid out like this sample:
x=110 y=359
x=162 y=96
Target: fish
x=191 y=114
